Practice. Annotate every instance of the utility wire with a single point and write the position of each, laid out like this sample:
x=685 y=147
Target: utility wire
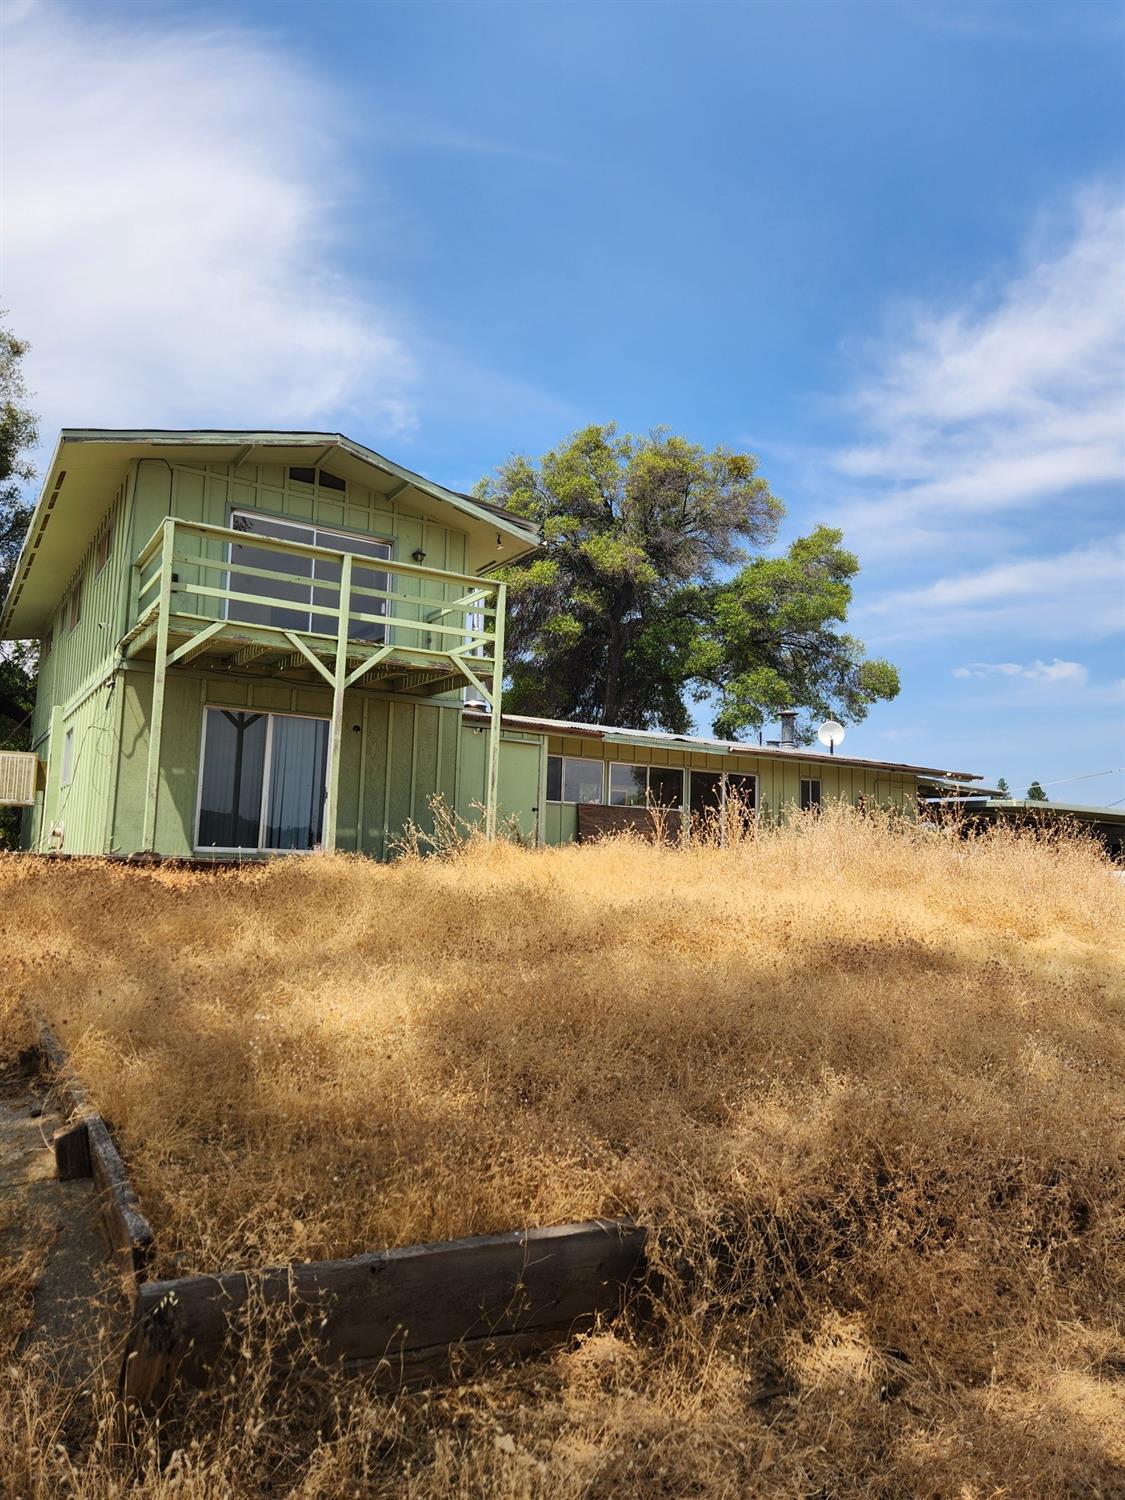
x=1089 y=776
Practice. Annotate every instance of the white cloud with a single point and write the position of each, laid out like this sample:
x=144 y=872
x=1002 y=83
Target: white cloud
x=172 y=206
x=1038 y=671
x=1006 y=404
x=1076 y=594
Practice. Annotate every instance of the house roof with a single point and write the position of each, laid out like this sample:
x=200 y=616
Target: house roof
x=89 y=463
x=1018 y=806
x=612 y=734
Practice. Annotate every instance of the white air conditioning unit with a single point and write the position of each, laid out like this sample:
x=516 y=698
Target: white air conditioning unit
x=19 y=772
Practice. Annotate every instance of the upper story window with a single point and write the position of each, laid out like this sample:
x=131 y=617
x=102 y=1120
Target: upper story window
x=103 y=549
x=306 y=581
x=72 y=609
x=317 y=476
x=46 y=643
x=810 y=794
x=571 y=778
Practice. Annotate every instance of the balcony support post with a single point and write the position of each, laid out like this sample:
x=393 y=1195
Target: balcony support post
x=494 y=702
x=159 y=673
x=340 y=682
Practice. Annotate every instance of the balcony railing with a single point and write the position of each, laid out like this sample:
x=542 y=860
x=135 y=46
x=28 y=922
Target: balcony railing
x=250 y=600
x=309 y=590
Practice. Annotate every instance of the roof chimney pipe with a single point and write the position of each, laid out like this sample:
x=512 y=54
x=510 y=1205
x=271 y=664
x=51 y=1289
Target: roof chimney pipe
x=788 y=717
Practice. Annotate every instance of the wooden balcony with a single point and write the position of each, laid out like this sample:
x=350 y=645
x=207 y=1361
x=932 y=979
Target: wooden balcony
x=242 y=602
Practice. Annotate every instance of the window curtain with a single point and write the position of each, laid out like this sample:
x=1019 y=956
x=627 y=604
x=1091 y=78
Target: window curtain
x=234 y=759
x=298 y=770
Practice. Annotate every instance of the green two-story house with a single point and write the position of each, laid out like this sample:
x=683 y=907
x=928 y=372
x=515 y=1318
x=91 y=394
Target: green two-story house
x=254 y=642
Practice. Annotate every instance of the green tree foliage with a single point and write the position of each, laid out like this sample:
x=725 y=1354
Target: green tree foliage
x=1035 y=793
x=631 y=610
x=18 y=435
x=1002 y=787
x=770 y=641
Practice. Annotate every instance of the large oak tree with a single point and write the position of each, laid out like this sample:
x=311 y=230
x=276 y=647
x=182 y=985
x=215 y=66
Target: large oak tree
x=651 y=593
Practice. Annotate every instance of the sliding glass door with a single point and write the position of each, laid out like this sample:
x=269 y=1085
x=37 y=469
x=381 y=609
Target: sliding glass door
x=262 y=781
x=297 y=593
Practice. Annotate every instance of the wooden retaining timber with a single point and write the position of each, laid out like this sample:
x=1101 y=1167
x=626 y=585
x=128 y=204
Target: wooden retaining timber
x=85 y=1148
x=420 y=1312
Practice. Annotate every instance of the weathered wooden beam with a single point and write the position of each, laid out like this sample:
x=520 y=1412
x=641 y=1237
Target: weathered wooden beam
x=196 y=645
x=415 y=1312
x=305 y=657
x=246 y=654
x=127 y=1231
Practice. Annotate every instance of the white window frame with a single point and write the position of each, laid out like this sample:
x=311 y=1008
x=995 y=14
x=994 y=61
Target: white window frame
x=590 y=760
x=270 y=714
x=647 y=769
x=314 y=528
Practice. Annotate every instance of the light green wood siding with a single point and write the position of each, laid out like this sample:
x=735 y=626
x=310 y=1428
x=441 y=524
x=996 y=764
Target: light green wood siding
x=396 y=757
x=779 y=778
x=210 y=493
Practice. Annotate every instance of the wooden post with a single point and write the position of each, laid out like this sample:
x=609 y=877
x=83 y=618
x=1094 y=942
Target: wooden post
x=332 y=801
x=495 y=699
x=160 y=670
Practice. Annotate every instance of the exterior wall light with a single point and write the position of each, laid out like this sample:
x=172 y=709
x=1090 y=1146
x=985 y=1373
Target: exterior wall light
x=418 y=555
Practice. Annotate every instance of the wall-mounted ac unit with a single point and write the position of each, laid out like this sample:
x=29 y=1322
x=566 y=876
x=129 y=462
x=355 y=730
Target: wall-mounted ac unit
x=19 y=772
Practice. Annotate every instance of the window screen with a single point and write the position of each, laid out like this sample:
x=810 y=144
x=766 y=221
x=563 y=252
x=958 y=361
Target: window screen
x=665 y=786
x=743 y=789
x=810 y=794
x=706 y=791
x=573 y=779
x=627 y=786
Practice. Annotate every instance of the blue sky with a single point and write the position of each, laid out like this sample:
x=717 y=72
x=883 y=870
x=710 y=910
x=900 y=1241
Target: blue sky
x=879 y=244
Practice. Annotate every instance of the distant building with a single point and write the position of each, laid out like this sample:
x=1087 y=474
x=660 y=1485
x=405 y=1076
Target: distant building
x=1105 y=823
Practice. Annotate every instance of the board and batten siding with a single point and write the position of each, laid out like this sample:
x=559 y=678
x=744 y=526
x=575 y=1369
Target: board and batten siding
x=74 y=693
x=779 y=778
x=397 y=755
x=210 y=493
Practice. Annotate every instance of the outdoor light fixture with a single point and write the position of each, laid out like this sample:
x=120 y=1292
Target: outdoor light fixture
x=418 y=555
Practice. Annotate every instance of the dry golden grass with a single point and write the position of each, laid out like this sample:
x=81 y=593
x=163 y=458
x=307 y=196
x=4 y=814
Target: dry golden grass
x=867 y=1079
